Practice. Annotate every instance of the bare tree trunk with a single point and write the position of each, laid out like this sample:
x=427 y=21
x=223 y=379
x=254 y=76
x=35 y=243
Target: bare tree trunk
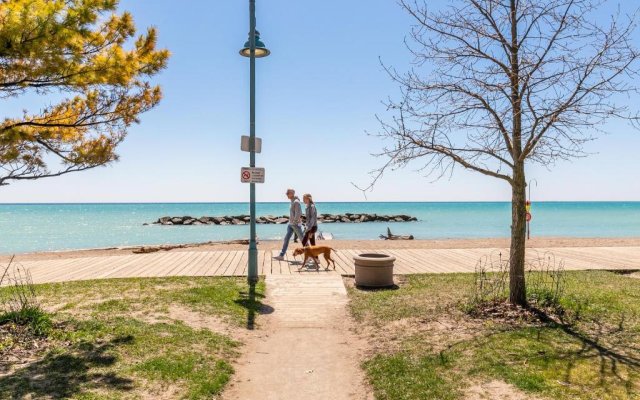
x=517 y=288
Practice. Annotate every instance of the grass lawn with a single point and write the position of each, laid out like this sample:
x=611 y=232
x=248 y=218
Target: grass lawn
x=131 y=338
x=425 y=346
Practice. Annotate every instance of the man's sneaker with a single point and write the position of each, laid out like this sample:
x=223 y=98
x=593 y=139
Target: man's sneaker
x=279 y=258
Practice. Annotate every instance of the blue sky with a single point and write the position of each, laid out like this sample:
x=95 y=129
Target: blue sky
x=317 y=96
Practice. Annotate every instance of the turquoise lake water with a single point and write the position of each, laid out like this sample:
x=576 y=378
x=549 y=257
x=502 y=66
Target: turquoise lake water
x=48 y=227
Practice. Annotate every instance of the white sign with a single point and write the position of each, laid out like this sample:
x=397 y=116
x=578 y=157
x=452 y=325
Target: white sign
x=245 y=144
x=251 y=175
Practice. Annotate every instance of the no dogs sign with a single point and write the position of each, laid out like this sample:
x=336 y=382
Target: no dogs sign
x=251 y=175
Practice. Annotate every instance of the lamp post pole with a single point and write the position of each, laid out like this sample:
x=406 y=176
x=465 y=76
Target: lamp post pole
x=253 y=48
x=252 y=276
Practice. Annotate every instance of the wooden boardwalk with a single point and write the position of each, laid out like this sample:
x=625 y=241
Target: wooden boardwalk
x=234 y=263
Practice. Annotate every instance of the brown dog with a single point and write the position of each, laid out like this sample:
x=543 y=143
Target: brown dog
x=314 y=252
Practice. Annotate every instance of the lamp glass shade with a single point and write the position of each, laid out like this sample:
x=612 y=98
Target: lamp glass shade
x=261 y=49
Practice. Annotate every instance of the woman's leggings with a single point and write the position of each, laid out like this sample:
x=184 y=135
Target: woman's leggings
x=310 y=236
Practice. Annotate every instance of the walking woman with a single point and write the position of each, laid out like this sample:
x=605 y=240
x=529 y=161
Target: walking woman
x=311 y=221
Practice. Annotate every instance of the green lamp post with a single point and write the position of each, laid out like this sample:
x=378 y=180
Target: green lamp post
x=253 y=48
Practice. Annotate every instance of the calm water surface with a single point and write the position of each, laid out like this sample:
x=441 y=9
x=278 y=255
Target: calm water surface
x=46 y=227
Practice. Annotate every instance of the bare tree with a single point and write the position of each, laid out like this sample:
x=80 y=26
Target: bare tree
x=498 y=84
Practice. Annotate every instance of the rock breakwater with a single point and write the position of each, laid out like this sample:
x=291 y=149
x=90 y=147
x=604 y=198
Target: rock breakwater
x=284 y=219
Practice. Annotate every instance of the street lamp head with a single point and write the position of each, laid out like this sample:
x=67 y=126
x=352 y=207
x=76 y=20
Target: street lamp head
x=261 y=50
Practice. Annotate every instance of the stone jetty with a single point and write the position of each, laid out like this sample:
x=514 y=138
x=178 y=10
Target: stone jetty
x=270 y=219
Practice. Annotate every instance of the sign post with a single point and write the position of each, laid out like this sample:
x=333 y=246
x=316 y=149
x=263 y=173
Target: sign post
x=528 y=218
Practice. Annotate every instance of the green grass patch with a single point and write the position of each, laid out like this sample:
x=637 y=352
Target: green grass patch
x=402 y=376
x=38 y=321
x=114 y=339
x=418 y=296
x=591 y=352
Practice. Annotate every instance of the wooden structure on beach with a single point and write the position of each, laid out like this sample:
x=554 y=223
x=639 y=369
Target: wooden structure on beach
x=234 y=262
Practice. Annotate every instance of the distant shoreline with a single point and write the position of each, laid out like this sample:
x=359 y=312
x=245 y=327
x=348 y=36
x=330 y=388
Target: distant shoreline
x=373 y=244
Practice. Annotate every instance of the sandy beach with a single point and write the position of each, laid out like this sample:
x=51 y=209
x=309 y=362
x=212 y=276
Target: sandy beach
x=349 y=244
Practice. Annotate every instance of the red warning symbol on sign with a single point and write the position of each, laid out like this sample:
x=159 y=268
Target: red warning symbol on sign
x=252 y=175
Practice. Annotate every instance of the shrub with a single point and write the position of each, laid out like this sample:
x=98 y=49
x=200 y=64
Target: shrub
x=544 y=276
x=19 y=302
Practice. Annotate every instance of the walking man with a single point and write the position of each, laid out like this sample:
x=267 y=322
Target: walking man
x=295 y=220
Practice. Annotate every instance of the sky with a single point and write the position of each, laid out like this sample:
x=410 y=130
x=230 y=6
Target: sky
x=318 y=95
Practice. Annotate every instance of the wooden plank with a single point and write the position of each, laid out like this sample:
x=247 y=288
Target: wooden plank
x=205 y=263
x=197 y=263
x=468 y=258
x=41 y=269
x=63 y=270
x=424 y=261
x=234 y=262
x=243 y=265
x=459 y=262
x=214 y=263
x=160 y=264
x=191 y=263
x=414 y=262
x=262 y=256
x=221 y=263
x=444 y=261
x=82 y=269
x=268 y=254
x=438 y=261
x=97 y=270
x=285 y=267
x=142 y=263
x=231 y=263
x=194 y=263
x=405 y=263
x=279 y=267
x=119 y=268
x=347 y=260
x=178 y=264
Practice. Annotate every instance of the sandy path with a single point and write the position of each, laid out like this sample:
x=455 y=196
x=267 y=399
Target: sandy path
x=304 y=349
